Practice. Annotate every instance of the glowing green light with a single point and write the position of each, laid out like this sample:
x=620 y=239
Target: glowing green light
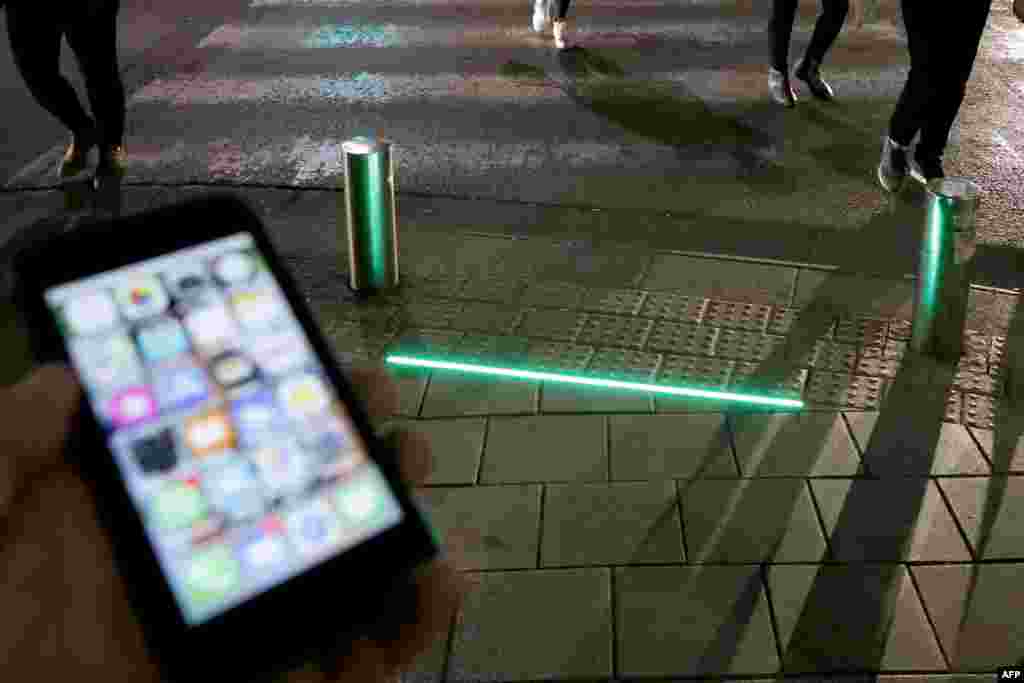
x=476 y=369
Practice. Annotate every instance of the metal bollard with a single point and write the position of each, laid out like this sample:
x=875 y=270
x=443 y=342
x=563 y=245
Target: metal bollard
x=946 y=269
x=370 y=215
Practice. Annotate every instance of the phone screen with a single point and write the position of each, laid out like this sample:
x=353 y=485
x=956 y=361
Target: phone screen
x=243 y=463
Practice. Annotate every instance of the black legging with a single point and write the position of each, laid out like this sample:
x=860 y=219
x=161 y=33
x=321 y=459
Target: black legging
x=942 y=52
x=35 y=30
x=563 y=8
x=826 y=29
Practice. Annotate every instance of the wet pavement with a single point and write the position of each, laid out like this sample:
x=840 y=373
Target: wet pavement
x=636 y=209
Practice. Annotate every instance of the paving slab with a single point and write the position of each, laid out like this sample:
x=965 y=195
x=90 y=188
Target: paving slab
x=411 y=388
x=616 y=523
x=979 y=628
x=497 y=526
x=567 y=398
x=456 y=446
x=750 y=520
x=955 y=452
x=847 y=293
x=670 y=446
x=452 y=395
x=548 y=448
x=891 y=520
x=794 y=445
x=991 y=512
x=850 y=618
x=693 y=621
x=733 y=280
x=530 y=625
x=1008 y=456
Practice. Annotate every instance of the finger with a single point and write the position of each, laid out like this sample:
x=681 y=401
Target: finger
x=415 y=459
x=376 y=390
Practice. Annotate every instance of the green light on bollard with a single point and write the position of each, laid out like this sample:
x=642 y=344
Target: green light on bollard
x=476 y=369
x=370 y=215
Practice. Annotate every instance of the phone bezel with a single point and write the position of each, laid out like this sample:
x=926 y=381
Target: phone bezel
x=290 y=622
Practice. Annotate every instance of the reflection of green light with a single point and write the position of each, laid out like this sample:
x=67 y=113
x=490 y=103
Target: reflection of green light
x=931 y=267
x=475 y=369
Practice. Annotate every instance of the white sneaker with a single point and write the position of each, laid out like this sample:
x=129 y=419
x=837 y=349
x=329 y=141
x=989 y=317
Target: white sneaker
x=540 y=15
x=561 y=34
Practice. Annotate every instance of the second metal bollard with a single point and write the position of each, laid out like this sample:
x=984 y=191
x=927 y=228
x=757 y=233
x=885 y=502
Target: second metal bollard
x=370 y=215
x=946 y=269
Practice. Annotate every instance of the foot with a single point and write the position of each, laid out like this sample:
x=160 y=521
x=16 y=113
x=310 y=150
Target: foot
x=892 y=169
x=780 y=89
x=808 y=72
x=926 y=169
x=76 y=157
x=541 y=20
x=561 y=31
x=113 y=162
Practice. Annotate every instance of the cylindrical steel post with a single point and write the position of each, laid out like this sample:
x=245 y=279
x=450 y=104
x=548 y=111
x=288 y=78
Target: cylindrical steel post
x=946 y=268
x=370 y=215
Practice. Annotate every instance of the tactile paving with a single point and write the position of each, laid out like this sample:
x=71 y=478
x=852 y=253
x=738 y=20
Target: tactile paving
x=493 y=349
x=828 y=356
x=997 y=352
x=737 y=315
x=682 y=338
x=787 y=379
x=954 y=401
x=553 y=294
x=552 y=355
x=873 y=360
x=677 y=307
x=977 y=383
x=498 y=290
x=781 y=319
x=554 y=324
x=624 y=364
x=899 y=329
x=615 y=330
x=434 y=314
x=979 y=411
x=748 y=345
x=861 y=330
x=427 y=341
x=486 y=316
x=698 y=370
x=411 y=288
x=840 y=389
x=615 y=301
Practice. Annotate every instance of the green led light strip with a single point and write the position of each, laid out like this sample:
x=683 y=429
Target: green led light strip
x=474 y=369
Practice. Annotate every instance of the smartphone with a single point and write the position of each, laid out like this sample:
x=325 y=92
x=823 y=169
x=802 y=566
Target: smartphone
x=254 y=516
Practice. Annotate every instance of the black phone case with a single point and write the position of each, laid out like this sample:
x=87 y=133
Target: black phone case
x=287 y=625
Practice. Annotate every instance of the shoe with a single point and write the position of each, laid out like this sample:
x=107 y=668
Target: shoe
x=76 y=157
x=780 y=89
x=1018 y=9
x=926 y=169
x=808 y=72
x=892 y=169
x=541 y=20
x=113 y=162
x=561 y=31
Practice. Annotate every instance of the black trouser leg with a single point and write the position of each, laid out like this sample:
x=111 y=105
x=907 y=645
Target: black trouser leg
x=963 y=38
x=924 y=39
x=563 y=8
x=35 y=38
x=783 y=16
x=94 y=42
x=827 y=27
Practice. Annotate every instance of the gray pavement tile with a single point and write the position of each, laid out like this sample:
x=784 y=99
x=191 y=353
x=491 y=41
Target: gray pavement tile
x=670 y=446
x=411 y=385
x=851 y=294
x=891 y=520
x=450 y=395
x=980 y=626
x=493 y=527
x=692 y=621
x=954 y=453
x=548 y=624
x=991 y=512
x=1008 y=456
x=456 y=446
x=429 y=666
x=570 y=398
x=719 y=279
x=618 y=523
x=794 y=445
x=545 y=448
x=750 y=520
x=851 y=618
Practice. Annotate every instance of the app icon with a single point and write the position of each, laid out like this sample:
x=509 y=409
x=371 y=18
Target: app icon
x=257 y=418
x=286 y=470
x=304 y=397
x=259 y=310
x=211 y=575
x=180 y=385
x=189 y=285
x=131 y=406
x=234 y=268
x=90 y=313
x=162 y=339
x=367 y=501
x=279 y=353
x=313 y=527
x=232 y=369
x=155 y=453
x=141 y=297
x=263 y=548
x=178 y=504
x=234 y=488
x=107 y=363
x=340 y=464
x=211 y=328
x=209 y=433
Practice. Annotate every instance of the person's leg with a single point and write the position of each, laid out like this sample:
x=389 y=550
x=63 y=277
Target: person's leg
x=94 y=42
x=781 y=27
x=827 y=28
x=924 y=78
x=563 y=9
